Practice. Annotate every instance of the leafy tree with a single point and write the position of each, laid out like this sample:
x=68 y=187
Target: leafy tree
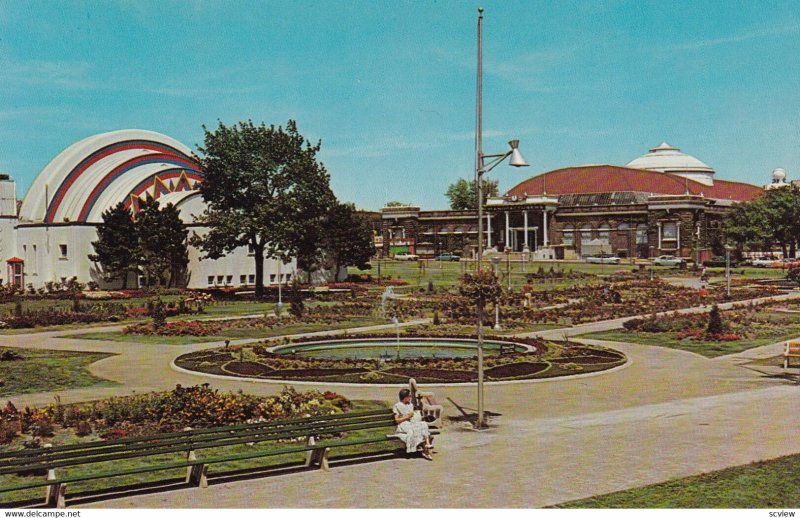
x=747 y=225
x=116 y=248
x=162 y=243
x=396 y=204
x=463 y=194
x=348 y=238
x=344 y=239
x=263 y=187
x=773 y=218
x=481 y=287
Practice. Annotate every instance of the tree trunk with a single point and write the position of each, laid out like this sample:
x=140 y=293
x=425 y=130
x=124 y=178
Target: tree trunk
x=258 y=254
x=125 y=280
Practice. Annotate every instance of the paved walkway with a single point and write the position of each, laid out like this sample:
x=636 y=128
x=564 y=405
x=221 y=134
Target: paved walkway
x=669 y=414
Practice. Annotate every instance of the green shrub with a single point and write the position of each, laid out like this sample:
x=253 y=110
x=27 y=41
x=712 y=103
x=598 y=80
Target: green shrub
x=8 y=431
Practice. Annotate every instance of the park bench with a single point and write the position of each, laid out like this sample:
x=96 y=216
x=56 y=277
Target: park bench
x=792 y=350
x=318 y=435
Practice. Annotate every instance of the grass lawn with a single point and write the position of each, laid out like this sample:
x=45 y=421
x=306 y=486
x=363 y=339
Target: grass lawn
x=42 y=370
x=233 y=333
x=447 y=274
x=768 y=484
x=710 y=349
x=175 y=475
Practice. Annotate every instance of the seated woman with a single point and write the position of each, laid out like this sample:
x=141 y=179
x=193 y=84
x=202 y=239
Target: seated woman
x=410 y=426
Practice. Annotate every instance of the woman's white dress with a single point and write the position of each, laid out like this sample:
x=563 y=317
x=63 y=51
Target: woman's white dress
x=413 y=432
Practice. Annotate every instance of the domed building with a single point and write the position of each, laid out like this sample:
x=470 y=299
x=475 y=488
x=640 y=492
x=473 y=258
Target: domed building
x=50 y=237
x=663 y=202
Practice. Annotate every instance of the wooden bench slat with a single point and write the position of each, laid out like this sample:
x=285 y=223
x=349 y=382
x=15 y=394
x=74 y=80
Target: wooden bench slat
x=186 y=464
x=191 y=442
x=203 y=431
x=157 y=450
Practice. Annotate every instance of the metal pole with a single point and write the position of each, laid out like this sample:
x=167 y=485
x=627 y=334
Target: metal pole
x=728 y=271
x=508 y=269
x=479 y=180
x=280 y=300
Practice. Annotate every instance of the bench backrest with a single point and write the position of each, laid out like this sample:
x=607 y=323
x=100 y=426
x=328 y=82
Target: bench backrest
x=105 y=451
x=792 y=348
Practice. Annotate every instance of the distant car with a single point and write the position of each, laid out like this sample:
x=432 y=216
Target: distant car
x=763 y=262
x=786 y=262
x=603 y=259
x=403 y=256
x=448 y=257
x=668 y=260
x=719 y=262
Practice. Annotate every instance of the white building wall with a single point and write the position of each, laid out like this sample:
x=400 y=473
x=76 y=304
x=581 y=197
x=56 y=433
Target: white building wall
x=46 y=259
x=235 y=269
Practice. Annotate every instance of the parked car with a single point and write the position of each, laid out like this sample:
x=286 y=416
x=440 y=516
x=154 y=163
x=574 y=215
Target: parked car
x=786 y=262
x=448 y=257
x=668 y=260
x=763 y=262
x=603 y=259
x=403 y=256
x=719 y=262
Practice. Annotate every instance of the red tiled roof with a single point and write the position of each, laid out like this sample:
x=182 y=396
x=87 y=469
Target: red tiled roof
x=14 y=259
x=610 y=178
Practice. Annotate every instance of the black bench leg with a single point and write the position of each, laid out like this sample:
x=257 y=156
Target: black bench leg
x=318 y=457
x=56 y=496
x=198 y=475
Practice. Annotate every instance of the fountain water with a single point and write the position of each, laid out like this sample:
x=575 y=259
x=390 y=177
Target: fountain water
x=397 y=334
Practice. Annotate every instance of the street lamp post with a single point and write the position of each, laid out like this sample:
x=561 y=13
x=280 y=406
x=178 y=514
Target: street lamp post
x=481 y=168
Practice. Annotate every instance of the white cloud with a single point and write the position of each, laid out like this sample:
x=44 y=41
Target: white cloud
x=66 y=74
x=738 y=38
x=385 y=146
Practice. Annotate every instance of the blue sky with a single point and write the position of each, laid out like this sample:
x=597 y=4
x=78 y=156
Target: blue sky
x=389 y=87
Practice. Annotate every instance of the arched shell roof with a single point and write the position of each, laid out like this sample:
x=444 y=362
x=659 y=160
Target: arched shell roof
x=100 y=171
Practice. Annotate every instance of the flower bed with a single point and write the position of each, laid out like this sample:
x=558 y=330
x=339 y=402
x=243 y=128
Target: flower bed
x=257 y=361
x=197 y=406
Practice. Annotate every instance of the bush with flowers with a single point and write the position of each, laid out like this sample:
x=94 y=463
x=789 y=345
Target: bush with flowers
x=197 y=406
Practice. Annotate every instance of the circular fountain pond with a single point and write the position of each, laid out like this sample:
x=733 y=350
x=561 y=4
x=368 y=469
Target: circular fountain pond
x=391 y=361
x=404 y=348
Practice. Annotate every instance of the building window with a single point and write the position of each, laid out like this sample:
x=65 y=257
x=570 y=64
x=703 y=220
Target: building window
x=63 y=249
x=272 y=278
x=569 y=235
x=623 y=227
x=250 y=250
x=35 y=269
x=210 y=280
x=586 y=234
x=669 y=231
x=604 y=233
x=251 y=278
x=243 y=279
x=641 y=234
x=220 y=278
x=229 y=279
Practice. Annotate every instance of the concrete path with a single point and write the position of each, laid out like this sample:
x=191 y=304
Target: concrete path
x=669 y=414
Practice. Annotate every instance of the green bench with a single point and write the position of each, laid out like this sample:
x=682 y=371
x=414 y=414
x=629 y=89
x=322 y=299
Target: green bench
x=318 y=433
